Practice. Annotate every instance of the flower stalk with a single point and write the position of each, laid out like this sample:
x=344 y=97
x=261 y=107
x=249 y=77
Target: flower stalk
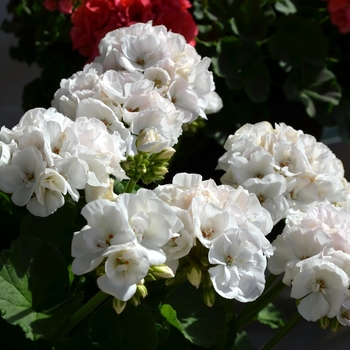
x=250 y=311
x=282 y=332
x=85 y=310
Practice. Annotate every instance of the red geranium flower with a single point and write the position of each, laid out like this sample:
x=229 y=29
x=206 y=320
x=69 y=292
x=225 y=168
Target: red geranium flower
x=64 y=6
x=340 y=14
x=95 y=18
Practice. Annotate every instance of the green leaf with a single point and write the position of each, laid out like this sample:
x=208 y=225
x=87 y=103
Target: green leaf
x=242 y=342
x=257 y=81
x=33 y=275
x=79 y=341
x=170 y=314
x=341 y=114
x=318 y=91
x=285 y=6
x=134 y=328
x=5 y=202
x=271 y=316
x=203 y=325
x=233 y=54
x=298 y=40
x=251 y=20
x=56 y=229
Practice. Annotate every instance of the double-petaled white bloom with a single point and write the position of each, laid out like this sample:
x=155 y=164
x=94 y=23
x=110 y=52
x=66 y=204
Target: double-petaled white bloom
x=125 y=267
x=313 y=253
x=257 y=153
x=240 y=265
x=138 y=67
x=321 y=287
x=127 y=235
x=231 y=226
x=47 y=155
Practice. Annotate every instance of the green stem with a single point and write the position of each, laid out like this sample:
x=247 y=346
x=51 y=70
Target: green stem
x=130 y=186
x=282 y=332
x=96 y=300
x=249 y=313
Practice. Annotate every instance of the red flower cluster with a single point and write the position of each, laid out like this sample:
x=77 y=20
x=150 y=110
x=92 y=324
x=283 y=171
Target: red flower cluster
x=340 y=14
x=64 y=6
x=95 y=18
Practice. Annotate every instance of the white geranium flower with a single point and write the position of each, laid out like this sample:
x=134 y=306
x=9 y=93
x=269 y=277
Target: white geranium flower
x=182 y=95
x=21 y=176
x=93 y=108
x=76 y=173
x=210 y=221
x=335 y=222
x=214 y=103
x=5 y=154
x=50 y=189
x=79 y=86
x=180 y=243
x=269 y=191
x=296 y=243
x=140 y=52
x=150 y=141
x=160 y=77
x=106 y=226
x=321 y=287
x=301 y=194
x=240 y=266
x=126 y=265
x=153 y=222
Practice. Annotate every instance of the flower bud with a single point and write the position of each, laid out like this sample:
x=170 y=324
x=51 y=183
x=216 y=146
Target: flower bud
x=334 y=324
x=150 y=141
x=162 y=271
x=119 y=305
x=141 y=290
x=194 y=276
x=165 y=154
x=209 y=296
x=323 y=322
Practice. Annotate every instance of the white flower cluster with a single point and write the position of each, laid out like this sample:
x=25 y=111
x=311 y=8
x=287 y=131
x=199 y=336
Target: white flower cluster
x=145 y=84
x=286 y=169
x=47 y=155
x=229 y=224
x=127 y=235
x=313 y=252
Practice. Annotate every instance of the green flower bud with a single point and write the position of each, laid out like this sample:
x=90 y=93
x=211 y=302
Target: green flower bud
x=119 y=305
x=141 y=290
x=209 y=296
x=323 y=322
x=162 y=271
x=334 y=324
x=194 y=275
x=165 y=154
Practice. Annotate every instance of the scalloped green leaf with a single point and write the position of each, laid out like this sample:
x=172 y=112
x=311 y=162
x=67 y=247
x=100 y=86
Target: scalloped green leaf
x=134 y=328
x=29 y=296
x=319 y=93
x=271 y=316
x=204 y=326
x=56 y=229
x=257 y=81
x=251 y=19
x=297 y=41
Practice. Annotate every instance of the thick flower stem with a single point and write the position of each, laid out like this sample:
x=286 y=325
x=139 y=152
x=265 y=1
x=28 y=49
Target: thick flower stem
x=130 y=186
x=249 y=313
x=282 y=332
x=96 y=300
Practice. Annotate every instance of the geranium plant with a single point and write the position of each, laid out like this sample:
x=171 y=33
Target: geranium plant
x=99 y=248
